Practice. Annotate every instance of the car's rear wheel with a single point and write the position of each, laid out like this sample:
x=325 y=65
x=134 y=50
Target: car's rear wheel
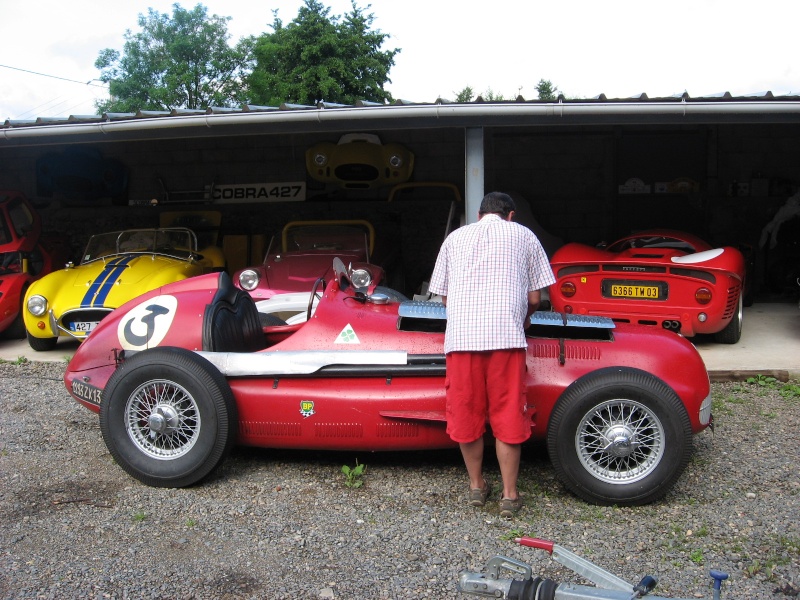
x=619 y=436
x=41 y=344
x=733 y=330
x=168 y=417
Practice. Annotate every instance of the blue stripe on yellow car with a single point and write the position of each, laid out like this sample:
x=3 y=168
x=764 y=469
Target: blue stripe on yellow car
x=101 y=287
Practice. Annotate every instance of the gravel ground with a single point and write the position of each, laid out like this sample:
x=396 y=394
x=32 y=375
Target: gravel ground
x=275 y=524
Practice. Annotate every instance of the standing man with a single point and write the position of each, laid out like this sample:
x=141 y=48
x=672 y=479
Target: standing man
x=489 y=275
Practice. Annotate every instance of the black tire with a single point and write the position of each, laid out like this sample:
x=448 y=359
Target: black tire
x=269 y=320
x=17 y=331
x=733 y=330
x=619 y=436
x=174 y=439
x=41 y=344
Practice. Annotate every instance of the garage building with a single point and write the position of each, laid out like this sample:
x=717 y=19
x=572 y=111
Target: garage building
x=590 y=170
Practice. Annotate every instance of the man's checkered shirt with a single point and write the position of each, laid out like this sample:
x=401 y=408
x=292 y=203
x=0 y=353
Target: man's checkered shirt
x=486 y=270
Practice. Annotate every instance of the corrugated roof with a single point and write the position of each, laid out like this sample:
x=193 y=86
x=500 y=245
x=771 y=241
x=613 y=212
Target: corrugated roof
x=722 y=107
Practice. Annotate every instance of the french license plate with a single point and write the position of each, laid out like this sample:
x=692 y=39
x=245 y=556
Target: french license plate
x=649 y=292
x=83 y=326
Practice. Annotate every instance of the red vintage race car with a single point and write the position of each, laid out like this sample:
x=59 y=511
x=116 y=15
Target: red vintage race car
x=304 y=252
x=26 y=254
x=658 y=277
x=181 y=374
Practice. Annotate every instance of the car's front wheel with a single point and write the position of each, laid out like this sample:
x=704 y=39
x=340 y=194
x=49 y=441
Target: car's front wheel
x=168 y=417
x=619 y=436
x=41 y=344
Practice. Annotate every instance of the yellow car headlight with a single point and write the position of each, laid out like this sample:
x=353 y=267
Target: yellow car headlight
x=37 y=305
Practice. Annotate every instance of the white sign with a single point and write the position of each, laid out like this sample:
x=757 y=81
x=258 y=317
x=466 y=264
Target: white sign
x=260 y=192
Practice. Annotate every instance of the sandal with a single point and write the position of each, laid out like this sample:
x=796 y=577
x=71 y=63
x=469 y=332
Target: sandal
x=477 y=496
x=509 y=507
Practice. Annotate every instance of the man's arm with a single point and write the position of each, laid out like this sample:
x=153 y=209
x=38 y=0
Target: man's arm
x=534 y=298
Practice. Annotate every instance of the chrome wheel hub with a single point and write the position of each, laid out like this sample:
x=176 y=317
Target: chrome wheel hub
x=162 y=420
x=620 y=441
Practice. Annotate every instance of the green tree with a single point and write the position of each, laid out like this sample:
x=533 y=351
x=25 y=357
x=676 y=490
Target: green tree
x=546 y=89
x=465 y=95
x=491 y=96
x=178 y=61
x=320 y=57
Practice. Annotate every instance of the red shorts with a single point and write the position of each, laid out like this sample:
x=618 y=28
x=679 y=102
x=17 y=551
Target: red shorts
x=485 y=386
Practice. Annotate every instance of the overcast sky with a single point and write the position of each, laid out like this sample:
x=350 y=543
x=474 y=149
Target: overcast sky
x=621 y=48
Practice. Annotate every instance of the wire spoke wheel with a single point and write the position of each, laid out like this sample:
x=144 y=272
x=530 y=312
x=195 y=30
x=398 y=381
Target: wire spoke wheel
x=162 y=419
x=619 y=436
x=620 y=441
x=168 y=417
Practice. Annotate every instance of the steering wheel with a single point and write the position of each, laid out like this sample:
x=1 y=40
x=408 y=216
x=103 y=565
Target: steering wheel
x=319 y=283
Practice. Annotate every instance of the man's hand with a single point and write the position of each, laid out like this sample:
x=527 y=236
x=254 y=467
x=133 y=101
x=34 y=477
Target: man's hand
x=534 y=298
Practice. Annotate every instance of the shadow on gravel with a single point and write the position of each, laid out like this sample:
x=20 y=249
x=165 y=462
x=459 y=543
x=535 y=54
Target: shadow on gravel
x=535 y=468
x=37 y=500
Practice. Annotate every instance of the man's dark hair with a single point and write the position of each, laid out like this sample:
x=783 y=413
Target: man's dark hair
x=497 y=203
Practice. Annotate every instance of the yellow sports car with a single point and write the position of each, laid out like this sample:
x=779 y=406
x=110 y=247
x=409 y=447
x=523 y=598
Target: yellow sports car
x=115 y=268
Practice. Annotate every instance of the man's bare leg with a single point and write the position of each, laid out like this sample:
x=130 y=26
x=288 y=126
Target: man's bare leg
x=508 y=457
x=473 y=459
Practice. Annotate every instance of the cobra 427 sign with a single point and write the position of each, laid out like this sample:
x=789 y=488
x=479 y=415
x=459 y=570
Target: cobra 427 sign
x=260 y=192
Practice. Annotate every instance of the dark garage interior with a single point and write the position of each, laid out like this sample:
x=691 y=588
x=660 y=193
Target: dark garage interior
x=723 y=173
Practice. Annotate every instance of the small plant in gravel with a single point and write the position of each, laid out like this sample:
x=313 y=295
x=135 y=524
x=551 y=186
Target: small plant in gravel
x=512 y=534
x=139 y=516
x=789 y=544
x=191 y=522
x=736 y=400
x=697 y=557
x=719 y=405
x=762 y=381
x=21 y=360
x=353 y=477
x=592 y=513
x=790 y=390
x=754 y=568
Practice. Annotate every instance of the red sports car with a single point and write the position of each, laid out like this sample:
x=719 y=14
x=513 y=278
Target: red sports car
x=659 y=277
x=181 y=374
x=26 y=254
x=304 y=253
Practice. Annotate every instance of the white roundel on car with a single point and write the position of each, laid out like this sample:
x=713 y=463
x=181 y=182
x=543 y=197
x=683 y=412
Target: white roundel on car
x=146 y=325
x=698 y=257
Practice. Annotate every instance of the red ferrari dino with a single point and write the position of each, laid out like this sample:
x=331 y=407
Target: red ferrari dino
x=658 y=277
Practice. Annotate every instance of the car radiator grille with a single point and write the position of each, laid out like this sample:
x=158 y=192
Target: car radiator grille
x=92 y=314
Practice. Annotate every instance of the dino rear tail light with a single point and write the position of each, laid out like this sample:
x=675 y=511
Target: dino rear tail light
x=702 y=295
